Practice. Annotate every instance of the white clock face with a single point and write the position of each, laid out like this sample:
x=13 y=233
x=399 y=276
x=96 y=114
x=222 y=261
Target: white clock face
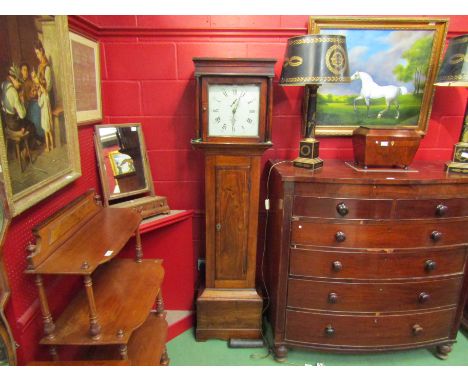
x=233 y=110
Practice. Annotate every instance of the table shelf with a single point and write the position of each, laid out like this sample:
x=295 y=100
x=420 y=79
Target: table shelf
x=124 y=292
x=146 y=346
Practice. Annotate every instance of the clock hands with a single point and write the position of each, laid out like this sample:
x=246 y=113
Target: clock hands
x=235 y=103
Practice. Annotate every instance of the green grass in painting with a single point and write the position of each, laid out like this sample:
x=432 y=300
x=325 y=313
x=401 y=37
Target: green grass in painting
x=339 y=111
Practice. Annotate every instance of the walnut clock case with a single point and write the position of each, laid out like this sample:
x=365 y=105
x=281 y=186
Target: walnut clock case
x=233 y=112
x=366 y=262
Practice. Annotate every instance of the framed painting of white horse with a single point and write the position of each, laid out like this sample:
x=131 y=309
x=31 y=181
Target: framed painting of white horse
x=393 y=63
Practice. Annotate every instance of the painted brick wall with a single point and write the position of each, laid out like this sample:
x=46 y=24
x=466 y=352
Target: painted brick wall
x=147 y=77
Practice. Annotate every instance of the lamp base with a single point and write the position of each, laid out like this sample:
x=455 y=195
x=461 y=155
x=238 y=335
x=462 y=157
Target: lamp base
x=309 y=164
x=460 y=168
x=460 y=159
x=308 y=154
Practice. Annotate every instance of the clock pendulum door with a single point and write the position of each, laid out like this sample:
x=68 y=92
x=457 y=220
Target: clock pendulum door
x=230 y=306
x=236 y=94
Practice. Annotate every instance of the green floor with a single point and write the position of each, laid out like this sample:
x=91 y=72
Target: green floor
x=185 y=351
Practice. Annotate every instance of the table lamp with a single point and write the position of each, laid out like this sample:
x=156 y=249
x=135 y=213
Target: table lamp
x=310 y=61
x=454 y=72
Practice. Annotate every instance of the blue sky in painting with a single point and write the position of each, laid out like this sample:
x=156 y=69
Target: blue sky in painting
x=376 y=52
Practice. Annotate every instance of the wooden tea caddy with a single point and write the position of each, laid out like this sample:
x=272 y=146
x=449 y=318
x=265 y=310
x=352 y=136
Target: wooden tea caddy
x=385 y=147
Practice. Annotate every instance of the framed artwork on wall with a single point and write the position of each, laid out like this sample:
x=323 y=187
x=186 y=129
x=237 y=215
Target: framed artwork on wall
x=393 y=63
x=87 y=78
x=39 y=151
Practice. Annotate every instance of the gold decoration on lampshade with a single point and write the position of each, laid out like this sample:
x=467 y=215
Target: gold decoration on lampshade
x=310 y=61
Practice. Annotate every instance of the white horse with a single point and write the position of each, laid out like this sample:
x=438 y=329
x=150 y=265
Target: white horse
x=371 y=90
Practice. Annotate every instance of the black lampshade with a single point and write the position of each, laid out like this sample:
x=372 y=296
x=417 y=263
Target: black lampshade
x=454 y=69
x=315 y=59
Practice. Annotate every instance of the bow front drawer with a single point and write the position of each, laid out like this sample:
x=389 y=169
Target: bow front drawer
x=382 y=234
x=376 y=264
x=431 y=208
x=342 y=208
x=330 y=330
x=373 y=297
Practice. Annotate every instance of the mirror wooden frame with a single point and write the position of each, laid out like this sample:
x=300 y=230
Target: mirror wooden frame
x=143 y=199
x=103 y=171
x=5 y=332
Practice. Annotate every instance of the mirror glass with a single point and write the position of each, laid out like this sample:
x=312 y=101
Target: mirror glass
x=122 y=159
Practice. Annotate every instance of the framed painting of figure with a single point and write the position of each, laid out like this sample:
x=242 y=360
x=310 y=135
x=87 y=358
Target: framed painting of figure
x=86 y=75
x=39 y=151
x=393 y=63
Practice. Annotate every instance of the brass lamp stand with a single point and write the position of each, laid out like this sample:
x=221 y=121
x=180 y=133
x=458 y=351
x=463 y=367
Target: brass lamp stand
x=310 y=61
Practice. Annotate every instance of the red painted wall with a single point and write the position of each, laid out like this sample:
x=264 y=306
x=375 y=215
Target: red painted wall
x=147 y=77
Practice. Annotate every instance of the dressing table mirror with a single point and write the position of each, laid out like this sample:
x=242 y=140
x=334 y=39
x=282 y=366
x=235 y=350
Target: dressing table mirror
x=124 y=169
x=7 y=344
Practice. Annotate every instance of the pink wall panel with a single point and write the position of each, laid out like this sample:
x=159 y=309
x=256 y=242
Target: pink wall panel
x=168 y=98
x=141 y=61
x=172 y=22
x=121 y=98
x=186 y=51
x=255 y=22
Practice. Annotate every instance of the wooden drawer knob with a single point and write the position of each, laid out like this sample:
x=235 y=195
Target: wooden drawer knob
x=441 y=210
x=329 y=330
x=342 y=209
x=337 y=266
x=340 y=236
x=332 y=298
x=430 y=265
x=417 y=329
x=436 y=236
x=424 y=297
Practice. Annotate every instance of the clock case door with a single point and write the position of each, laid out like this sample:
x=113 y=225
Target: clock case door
x=229 y=80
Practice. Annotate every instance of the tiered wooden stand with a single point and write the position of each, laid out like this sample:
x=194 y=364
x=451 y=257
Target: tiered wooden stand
x=112 y=314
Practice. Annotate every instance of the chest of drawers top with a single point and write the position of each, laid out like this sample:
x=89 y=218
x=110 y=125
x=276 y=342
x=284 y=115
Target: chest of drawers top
x=339 y=191
x=338 y=172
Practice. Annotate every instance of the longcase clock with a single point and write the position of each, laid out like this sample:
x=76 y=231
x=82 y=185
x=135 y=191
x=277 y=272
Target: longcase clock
x=233 y=112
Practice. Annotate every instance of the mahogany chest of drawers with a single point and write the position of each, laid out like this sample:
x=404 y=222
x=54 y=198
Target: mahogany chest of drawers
x=366 y=261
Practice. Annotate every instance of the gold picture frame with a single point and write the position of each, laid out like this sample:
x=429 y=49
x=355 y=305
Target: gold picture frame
x=376 y=45
x=39 y=150
x=87 y=78
x=7 y=343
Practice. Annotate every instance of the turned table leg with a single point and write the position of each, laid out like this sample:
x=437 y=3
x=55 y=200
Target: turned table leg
x=94 y=327
x=164 y=358
x=281 y=353
x=53 y=353
x=138 y=248
x=49 y=326
x=160 y=304
x=123 y=352
x=443 y=351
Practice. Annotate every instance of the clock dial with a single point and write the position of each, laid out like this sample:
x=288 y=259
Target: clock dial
x=233 y=110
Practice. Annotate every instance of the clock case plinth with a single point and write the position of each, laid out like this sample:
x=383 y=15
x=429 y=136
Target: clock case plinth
x=228 y=303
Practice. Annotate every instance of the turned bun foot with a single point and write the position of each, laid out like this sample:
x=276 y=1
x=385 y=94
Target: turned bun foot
x=443 y=351
x=281 y=353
